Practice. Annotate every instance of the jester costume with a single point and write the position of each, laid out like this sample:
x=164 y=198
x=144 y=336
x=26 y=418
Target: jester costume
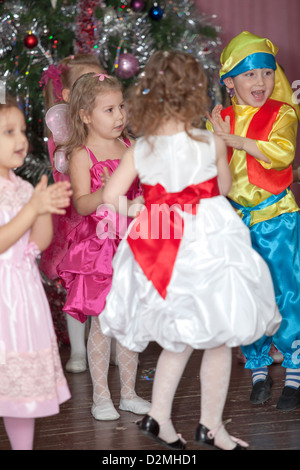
x=261 y=191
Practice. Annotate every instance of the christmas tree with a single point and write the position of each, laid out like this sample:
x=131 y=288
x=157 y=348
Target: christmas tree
x=123 y=33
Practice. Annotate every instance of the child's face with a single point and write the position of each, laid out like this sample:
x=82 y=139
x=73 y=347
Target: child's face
x=108 y=117
x=13 y=140
x=253 y=87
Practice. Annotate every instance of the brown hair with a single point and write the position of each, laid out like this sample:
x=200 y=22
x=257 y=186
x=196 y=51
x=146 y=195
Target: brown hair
x=10 y=102
x=172 y=85
x=71 y=68
x=83 y=96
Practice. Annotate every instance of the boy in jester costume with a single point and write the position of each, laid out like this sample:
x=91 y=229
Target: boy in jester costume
x=260 y=131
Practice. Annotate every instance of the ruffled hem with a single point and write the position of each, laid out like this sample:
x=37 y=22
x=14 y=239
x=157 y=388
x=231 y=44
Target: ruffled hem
x=256 y=362
x=32 y=382
x=35 y=407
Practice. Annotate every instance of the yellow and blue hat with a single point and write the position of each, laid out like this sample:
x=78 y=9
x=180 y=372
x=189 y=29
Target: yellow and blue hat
x=247 y=52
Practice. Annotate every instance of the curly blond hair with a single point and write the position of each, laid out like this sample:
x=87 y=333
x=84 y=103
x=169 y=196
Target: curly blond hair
x=173 y=85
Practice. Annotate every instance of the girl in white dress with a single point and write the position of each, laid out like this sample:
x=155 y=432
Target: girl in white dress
x=193 y=281
x=32 y=383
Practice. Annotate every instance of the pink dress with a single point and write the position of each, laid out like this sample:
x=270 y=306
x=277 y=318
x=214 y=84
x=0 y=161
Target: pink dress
x=86 y=269
x=62 y=226
x=32 y=383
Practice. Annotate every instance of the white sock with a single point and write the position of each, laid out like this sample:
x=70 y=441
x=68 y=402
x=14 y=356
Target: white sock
x=259 y=374
x=292 y=378
x=76 y=331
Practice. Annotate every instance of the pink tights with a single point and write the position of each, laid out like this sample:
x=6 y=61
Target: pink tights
x=20 y=432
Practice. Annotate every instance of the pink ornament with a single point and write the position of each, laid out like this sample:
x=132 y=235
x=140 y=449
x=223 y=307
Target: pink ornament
x=137 y=5
x=127 y=66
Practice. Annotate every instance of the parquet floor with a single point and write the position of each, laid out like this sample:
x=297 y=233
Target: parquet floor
x=263 y=427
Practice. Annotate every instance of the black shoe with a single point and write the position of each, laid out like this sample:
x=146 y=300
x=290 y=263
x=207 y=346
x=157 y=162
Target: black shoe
x=202 y=438
x=261 y=391
x=289 y=399
x=150 y=428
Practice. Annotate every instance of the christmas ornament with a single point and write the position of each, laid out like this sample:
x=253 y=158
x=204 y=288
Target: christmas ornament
x=156 y=12
x=127 y=66
x=137 y=5
x=109 y=15
x=30 y=41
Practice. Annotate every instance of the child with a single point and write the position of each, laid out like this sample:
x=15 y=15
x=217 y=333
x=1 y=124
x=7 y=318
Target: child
x=58 y=81
x=96 y=145
x=32 y=383
x=207 y=289
x=260 y=130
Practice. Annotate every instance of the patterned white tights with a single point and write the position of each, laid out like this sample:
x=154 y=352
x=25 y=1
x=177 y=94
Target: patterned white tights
x=98 y=348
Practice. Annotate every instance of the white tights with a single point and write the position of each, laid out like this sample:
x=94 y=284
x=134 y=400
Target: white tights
x=98 y=349
x=20 y=432
x=214 y=376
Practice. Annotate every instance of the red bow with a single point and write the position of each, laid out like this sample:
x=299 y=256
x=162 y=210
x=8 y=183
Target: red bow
x=156 y=234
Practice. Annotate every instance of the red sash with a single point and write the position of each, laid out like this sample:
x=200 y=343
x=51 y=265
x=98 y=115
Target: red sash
x=156 y=233
x=274 y=181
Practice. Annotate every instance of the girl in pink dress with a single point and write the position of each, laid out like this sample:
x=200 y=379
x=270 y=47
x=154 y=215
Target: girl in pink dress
x=96 y=145
x=32 y=383
x=58 y=81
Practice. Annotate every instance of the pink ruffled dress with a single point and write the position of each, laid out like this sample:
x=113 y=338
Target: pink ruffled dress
x=86 y=269
x=32 y=383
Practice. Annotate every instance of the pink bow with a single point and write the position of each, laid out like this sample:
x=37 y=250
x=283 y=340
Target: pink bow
x=101 y=76
x=54 y=73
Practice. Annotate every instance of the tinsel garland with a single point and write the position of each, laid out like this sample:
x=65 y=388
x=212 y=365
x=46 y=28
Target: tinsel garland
x=86 y=26
x=129 y=27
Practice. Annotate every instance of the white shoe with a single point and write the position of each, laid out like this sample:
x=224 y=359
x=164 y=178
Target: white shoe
x=76 y=364
x=105 y=411
x=136 y=405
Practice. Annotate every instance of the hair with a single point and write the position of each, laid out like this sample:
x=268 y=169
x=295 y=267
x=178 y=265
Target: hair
x=10 y=102
x=69 y=69
x=173 y=85
x=83 y=96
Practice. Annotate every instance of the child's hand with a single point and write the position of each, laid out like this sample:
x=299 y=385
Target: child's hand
x=51 y=199
x=217 y=121
x=231 y=140
x=105 y=176
x=135 y=206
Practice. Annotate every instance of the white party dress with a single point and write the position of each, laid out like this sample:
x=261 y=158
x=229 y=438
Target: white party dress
x=220 y=291
x=32 y=383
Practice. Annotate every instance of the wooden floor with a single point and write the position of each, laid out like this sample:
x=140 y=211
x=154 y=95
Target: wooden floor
x=263 y=427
